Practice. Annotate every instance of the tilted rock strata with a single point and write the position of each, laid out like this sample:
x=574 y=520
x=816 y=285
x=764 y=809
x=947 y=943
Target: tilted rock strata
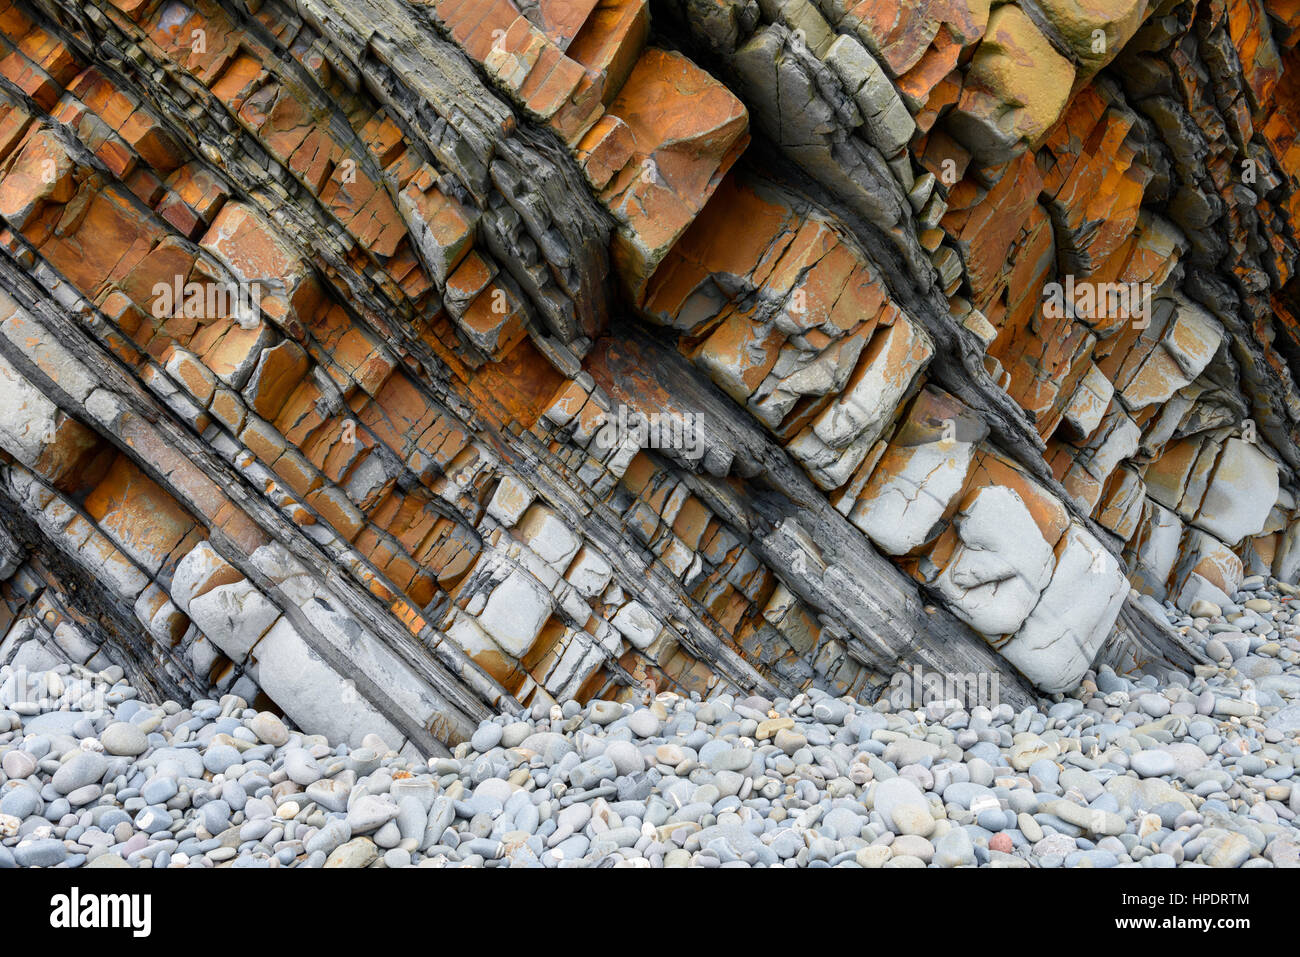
x=318 y=317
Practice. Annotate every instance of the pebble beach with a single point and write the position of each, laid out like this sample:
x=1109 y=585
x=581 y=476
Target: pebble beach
x=1155 y=770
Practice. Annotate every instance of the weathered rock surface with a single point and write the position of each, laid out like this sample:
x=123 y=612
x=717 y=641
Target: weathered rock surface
x=389 y=364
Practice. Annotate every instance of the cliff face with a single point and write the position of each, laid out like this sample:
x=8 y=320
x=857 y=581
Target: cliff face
x=397 y=362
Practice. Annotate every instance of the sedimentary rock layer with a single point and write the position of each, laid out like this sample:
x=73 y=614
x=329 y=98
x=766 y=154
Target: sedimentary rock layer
x=390 y=363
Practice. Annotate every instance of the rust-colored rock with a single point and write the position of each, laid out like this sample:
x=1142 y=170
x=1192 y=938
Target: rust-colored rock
x=482 y=355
